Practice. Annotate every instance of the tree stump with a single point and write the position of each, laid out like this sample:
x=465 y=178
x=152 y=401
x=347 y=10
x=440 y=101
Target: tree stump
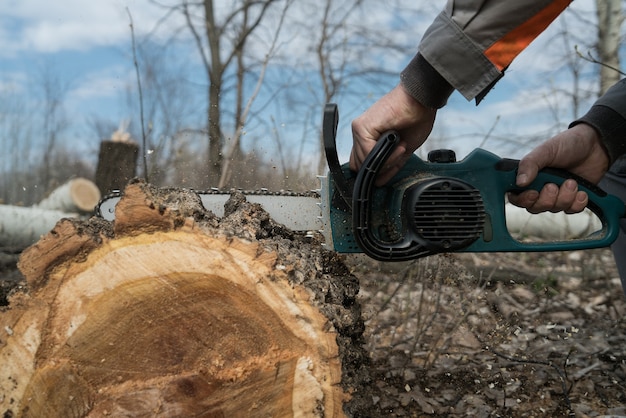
x=117 y=164
x=170 y=311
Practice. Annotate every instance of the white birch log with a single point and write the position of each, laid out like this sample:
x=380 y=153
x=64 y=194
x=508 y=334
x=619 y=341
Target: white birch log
x=77 y=195
x=550 y=226
x=21 y=227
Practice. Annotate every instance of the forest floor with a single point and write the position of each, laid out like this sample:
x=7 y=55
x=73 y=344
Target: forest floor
x=497 y=335
x=488 y=335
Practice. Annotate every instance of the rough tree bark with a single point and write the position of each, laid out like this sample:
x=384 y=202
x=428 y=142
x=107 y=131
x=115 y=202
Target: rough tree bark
x=117 y=164
x=171 y=311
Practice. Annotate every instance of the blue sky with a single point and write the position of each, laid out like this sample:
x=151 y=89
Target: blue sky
x=86 y=44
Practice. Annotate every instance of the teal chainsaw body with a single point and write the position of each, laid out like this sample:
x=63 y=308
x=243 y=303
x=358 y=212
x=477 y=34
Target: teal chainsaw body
x=440 y=205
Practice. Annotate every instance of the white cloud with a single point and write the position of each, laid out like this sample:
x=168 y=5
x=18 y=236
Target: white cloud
x=53 y=26
x=107 y=83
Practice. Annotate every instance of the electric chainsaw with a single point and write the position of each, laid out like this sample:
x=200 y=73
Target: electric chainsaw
x=434 y=206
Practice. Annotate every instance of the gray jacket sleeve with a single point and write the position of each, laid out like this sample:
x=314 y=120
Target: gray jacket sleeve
x=471 y=43
x=608 y=117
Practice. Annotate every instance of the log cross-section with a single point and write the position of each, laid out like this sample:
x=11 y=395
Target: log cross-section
x=173 y=312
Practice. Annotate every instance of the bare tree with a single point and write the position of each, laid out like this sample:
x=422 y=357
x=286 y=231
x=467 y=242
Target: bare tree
x=569 y=63
x=610 y=20
x=36 y=155
x=170 y=112
x=246 y=56
x=16 y=137
x=332 y=42
x=345 y=44
x=242 y=112
x=220 y=42
x=54 y=121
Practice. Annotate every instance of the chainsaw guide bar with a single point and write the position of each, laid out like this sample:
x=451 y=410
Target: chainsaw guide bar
x=297 y=211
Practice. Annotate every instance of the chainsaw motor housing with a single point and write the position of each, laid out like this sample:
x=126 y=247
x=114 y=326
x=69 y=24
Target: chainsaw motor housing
x=444 y=213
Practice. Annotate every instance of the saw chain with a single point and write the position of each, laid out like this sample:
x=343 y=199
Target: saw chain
x=299 y=211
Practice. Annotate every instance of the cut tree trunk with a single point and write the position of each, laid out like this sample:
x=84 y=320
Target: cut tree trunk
x=173 y=312
x=117 y=165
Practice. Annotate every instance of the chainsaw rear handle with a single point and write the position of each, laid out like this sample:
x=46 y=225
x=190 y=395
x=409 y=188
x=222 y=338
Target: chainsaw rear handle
x=558 y=175
x=609 y=209
x=493 y=177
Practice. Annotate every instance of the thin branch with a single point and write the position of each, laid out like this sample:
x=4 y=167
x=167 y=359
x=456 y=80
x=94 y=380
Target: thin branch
x=490 y=132
x=241 y=39
x=141 y=113
x=594 y=60
x=198 y=40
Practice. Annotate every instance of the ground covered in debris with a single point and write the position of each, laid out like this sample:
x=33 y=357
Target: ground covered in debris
x=510 y=335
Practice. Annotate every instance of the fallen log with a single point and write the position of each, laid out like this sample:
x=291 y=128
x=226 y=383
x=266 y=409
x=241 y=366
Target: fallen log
x=551 y=226
x=77 y=195
x=173 y=312
x=23 y=226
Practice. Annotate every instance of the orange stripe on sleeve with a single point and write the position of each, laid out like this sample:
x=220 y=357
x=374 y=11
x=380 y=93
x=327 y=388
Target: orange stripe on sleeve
x=502 y=53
